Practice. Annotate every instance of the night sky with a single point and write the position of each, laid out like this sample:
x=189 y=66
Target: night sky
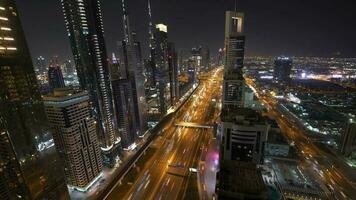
x=274 y=27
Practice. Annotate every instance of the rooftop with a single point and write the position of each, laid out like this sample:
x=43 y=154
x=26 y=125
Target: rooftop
x=237 y=177
x=241 y=115
x=65 y=96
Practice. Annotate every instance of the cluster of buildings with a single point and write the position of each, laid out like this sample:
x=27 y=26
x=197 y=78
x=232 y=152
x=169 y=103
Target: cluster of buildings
x=57 y=136
x=318 y=93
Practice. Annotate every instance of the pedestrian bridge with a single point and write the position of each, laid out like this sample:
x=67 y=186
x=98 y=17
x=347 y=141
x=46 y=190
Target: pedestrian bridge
x=194 y=125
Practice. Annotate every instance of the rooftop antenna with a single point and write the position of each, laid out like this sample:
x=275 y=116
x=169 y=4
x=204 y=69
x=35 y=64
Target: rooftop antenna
x=235 y=5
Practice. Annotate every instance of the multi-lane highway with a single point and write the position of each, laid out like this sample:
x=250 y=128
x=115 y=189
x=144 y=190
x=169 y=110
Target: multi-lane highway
x=165 y=173
x=327 y=165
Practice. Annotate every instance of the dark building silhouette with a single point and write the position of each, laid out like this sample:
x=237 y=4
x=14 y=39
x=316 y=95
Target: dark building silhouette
x=282 y=68
x=30 y=167
x=41 y=64
x=123 y=104
x=173 y=72
x=348 y=139
x=55 y=76
x=131 y=61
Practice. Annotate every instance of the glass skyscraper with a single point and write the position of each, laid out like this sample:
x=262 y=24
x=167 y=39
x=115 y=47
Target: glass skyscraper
x=162 y=68
x=234 y=82
x=30 y=167
x=85 y=29
x=132 y=61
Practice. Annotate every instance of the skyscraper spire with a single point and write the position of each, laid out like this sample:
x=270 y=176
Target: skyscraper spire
x=126 y=23
x=151 y=29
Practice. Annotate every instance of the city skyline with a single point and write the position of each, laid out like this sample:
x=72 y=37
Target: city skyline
x=299 y=28
x=177 y=110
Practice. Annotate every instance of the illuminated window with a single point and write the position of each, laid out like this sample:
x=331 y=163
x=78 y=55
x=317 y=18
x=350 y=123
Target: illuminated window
x=4 y=18
x=11 y=48
x=5 y=29
x=9 y=38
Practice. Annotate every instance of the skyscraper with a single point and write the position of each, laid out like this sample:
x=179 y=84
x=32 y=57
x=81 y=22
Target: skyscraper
x=86 y=33
x=41 y=65
x=162 y=67
x=132 y=60
x=282 y=68
x=173 y=72
x=205 y=58
x=75 y=136
x=30 y=165
x=123 y=104
x=201 y=58
x=197 y=59
x=244 y=130
x=234 y=84
x=55 y=76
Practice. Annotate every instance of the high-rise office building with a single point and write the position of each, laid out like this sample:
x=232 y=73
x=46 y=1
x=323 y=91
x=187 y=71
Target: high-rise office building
x=173 y=72
x=244 y=131
x=233 y=85
x=191 y=67
x=197 y=59
x=205 y=58
x=201 y=58
x=84 y=24
x=348 y=139
x=162 y=67
x=55 y=76
x=123 y=104
x=41 y=65
x=30 y=165
x=132 y=61
x=75 y=136
x=282 y=68
x=149 y=75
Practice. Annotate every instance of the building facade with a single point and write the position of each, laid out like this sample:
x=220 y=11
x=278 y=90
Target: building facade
x=173 y=72
x=133 y=71
x=55 y=75
x=348 y=140
x=282 y=68
x=162 y=68
x=84 y=25
x=30 y=167
x=234 y=84
x=245 y=134
x=75 y=136
x=123 y=105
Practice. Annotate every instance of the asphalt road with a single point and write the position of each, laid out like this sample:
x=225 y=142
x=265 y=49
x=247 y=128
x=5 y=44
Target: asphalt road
x=164 y=175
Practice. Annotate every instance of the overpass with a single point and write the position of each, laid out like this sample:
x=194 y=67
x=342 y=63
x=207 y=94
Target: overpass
x=194 y=125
